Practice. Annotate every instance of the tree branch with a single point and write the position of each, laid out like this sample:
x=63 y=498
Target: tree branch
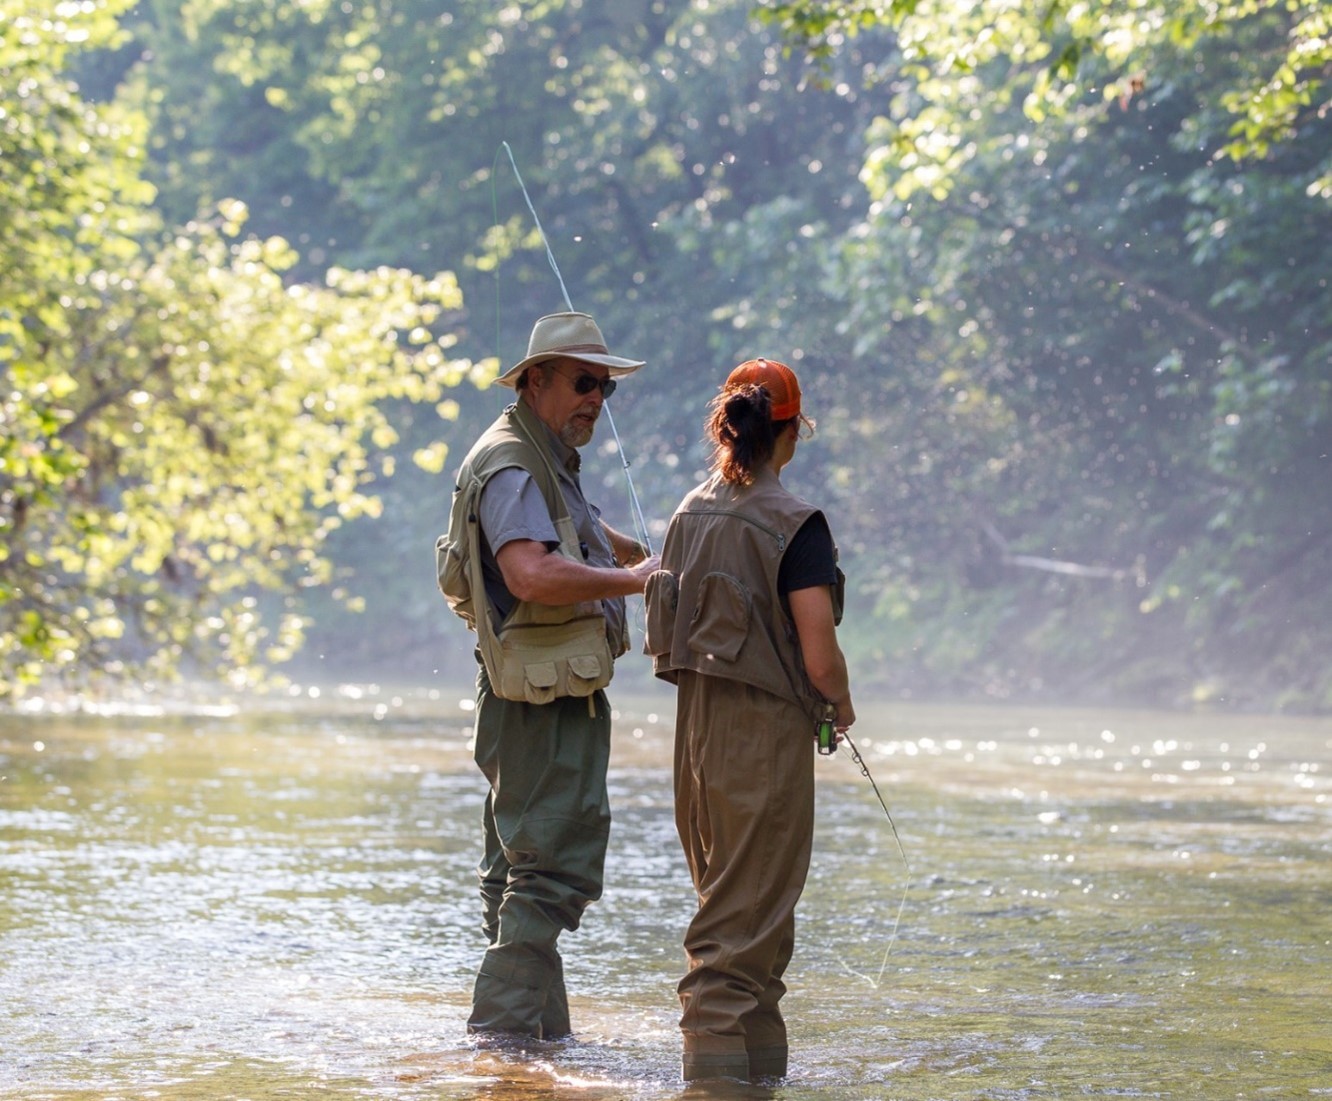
x=1057 y=565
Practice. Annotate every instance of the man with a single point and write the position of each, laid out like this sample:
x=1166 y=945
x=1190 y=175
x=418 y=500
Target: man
x=543 y=582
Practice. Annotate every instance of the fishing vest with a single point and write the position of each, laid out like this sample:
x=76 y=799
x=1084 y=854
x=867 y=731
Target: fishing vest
x=538 y=652
x=714 y=606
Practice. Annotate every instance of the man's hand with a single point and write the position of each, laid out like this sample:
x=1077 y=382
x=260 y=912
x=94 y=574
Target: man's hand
x=644 y=568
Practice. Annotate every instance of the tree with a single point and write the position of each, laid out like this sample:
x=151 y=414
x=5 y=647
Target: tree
x=183 y=428
x=1101 y=221
x=1063 y=326
x=665 y=147
x=1276 y=91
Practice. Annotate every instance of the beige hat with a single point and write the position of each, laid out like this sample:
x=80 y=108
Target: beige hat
x=568 y=336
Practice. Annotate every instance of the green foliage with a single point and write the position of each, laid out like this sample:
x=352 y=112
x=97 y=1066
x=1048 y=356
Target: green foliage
x=1053 y=279
x=1076 y=231
x=1050 y=54
x=183 y=428
x=660 y=147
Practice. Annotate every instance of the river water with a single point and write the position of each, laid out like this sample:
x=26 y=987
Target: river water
x=277 y=901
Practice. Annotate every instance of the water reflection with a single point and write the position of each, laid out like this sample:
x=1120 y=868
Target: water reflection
x=239 y=903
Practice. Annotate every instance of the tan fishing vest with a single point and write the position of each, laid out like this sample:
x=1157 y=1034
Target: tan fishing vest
x=714 y=607
x=539 y=652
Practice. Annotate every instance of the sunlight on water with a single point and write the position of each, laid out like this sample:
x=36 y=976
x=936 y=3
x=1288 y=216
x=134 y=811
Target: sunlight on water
x=223 y=901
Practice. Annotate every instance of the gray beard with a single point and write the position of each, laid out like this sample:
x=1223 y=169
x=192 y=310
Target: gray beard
x=575 y=437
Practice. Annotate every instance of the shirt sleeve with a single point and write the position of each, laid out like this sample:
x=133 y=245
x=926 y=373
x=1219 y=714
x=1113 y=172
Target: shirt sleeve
x=512 y=507
x=811 y=559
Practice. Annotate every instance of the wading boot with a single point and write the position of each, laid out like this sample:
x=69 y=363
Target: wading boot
x=555 y=1014
x=697 y=1065
x=768 y=1062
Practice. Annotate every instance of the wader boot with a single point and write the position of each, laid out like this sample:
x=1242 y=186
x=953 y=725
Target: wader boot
x=547 y=820
x=765 y=1041
x=694 y=1066
x=554 y=1018
x=768 y=1062
x=765 y=1030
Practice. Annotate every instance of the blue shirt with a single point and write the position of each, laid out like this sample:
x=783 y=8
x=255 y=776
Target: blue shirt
x=512 y=507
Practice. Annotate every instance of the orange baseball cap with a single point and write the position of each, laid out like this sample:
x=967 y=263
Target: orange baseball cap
x=776 y=378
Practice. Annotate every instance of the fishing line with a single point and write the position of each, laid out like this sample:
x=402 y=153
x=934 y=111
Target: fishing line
x=901 y=905
x=640 y=525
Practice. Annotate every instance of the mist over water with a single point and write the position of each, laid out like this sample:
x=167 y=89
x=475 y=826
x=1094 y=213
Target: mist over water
x=278 y=901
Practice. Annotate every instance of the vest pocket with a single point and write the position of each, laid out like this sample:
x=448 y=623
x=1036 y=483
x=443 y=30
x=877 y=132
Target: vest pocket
x=661 y=596
x=584 y=674
x=720 y=623
x=541 y=680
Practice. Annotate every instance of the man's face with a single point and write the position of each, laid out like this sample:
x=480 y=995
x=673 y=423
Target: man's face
x=555 y=399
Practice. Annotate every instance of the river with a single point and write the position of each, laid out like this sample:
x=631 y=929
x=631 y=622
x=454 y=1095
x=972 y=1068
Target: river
x=276 y=900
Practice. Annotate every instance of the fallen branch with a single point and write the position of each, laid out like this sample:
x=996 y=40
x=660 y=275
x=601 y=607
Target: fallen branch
x=1056 y=565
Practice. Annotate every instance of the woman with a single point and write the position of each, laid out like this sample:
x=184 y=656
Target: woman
x=742 y=617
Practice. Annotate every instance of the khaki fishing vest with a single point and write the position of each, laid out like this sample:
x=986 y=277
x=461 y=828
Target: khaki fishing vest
x=539 y=652
x=714 y=606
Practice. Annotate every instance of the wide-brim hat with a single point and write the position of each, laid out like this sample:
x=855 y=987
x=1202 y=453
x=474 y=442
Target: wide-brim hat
x=568 y=336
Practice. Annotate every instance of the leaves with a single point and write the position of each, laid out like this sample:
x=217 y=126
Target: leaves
x=1052 y=277
x=183 y=427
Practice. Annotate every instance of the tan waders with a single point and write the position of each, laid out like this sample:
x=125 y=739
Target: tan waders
x=547 y=820
x=744 y=797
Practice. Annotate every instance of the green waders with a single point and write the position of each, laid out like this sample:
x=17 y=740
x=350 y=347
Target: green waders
x=744 y=809
x=547 y=821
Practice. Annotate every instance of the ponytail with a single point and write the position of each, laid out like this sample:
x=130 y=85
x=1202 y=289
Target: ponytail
x=742 y=432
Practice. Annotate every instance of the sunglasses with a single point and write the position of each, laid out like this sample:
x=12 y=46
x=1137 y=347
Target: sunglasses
x=586 y=383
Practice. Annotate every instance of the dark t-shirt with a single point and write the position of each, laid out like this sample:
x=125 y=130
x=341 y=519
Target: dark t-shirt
x=811 y=559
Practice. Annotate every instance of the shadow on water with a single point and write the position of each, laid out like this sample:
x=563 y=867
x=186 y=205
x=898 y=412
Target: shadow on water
x=278 y=902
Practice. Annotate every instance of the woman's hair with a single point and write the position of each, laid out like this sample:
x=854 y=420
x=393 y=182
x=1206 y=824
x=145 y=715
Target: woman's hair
x=742 y=431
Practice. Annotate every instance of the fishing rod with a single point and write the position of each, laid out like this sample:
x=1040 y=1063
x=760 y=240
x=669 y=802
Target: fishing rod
x=827 y=742
x=640 y=525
